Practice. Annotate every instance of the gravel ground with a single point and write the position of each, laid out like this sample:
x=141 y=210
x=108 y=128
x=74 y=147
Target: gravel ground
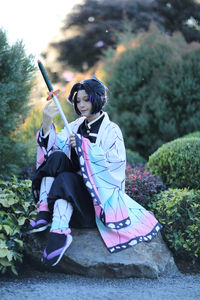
x=70 y=287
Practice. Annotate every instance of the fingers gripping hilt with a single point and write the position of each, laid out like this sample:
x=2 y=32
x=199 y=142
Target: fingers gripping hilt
x=54 y=96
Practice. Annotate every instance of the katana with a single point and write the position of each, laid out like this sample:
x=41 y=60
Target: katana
x=54 y=96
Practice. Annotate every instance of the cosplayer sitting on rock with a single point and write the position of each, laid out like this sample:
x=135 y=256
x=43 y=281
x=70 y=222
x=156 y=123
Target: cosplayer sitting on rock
x=80 y=179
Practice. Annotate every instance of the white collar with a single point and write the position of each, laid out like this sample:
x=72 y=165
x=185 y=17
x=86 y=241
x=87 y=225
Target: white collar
x=90 y=123
x=102 y=128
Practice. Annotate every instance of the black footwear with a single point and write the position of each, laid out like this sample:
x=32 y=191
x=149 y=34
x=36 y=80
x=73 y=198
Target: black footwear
x=41 y=223
x=57 y=244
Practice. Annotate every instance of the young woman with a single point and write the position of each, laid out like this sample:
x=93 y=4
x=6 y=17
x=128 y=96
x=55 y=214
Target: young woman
x=80 y=179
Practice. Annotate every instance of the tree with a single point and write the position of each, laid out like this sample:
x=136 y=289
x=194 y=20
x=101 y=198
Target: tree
x=154 y=81
x=92 y=26
x=179 y=15
x=16 y=81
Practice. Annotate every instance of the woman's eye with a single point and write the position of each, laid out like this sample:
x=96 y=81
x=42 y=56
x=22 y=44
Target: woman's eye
x=86 y=100
x=77 y=101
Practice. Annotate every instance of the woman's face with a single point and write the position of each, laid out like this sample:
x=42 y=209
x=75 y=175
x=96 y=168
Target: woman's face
x=83 y=104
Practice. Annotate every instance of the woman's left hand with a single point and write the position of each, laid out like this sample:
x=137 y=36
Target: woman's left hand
x=72 y=140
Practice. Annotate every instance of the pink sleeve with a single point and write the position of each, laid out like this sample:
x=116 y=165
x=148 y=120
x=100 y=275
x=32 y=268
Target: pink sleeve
x=42 y=151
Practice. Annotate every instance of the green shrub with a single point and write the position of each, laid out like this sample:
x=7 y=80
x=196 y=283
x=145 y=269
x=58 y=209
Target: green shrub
x=16 y=208
x=134 y=157
x=177 y=163
x=192 y=134
x=178 y=210
x=154 y=81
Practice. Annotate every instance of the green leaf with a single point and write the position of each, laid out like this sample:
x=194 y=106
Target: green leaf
x=8 y=229
x=4 y=252
x=4 y=262
x=6 y=201
x=21 y=221
x=3 y=244
x=10 y=255
x=14 y=270
x=19 y=242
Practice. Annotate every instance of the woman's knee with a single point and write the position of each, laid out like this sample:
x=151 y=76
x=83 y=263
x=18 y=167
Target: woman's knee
x=57 y=156
x=59 y=162
x=66 y=177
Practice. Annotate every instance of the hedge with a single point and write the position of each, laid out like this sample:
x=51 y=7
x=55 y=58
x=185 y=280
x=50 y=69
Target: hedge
x=177 y=163
x=178 y=210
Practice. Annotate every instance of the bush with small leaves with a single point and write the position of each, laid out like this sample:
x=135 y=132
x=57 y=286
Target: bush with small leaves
x=195 y=134
x=178 y=210
x=177 y=163
x=141 y=185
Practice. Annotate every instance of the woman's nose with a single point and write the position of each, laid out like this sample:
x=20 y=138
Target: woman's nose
x=81 y=104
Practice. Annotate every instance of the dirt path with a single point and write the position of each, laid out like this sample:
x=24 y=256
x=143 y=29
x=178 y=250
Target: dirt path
x=71 y=287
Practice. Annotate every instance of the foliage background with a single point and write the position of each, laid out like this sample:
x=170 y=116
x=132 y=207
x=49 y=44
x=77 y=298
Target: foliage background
x=154 y=81
x=153 y=73
x=92 y=27
x=16 y=82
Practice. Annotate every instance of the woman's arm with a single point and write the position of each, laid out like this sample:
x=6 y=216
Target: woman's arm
x=49 y=112
x=47 y=139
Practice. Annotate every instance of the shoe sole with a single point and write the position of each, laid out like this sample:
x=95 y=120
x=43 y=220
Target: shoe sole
x=38 y=229
x=69 y=241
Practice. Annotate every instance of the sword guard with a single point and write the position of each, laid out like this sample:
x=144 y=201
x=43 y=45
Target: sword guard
x=52 y=93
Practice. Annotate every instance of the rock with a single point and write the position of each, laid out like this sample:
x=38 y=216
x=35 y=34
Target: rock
x=88 y=256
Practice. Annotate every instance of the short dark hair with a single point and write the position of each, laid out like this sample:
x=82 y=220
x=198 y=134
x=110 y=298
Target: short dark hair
x=96 y=92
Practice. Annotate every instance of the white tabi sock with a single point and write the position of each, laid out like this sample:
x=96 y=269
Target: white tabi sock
x=62 y=213
x=45 y=187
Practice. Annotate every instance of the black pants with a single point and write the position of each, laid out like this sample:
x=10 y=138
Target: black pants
x=67 y=185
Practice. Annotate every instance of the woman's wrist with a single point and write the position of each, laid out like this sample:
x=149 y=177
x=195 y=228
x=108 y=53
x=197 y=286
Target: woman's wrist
x=46 y=128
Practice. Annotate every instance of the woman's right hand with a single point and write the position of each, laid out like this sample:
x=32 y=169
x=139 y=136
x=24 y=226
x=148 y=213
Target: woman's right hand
x=49 y=112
